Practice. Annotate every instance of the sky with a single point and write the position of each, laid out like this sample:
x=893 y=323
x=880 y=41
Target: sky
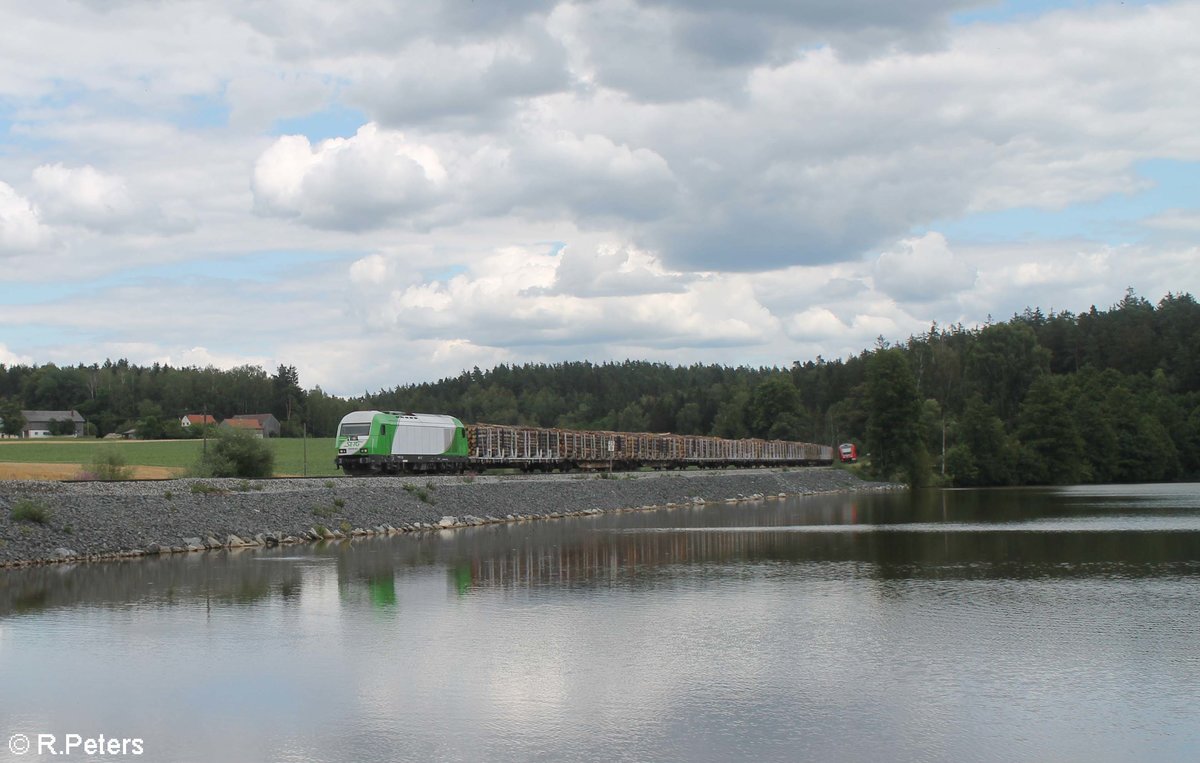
x=381 y=192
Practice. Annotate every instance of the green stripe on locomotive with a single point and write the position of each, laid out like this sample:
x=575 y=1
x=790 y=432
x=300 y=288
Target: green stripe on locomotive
x=459 y=446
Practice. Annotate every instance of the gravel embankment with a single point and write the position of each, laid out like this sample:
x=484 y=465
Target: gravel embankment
x=93 y=521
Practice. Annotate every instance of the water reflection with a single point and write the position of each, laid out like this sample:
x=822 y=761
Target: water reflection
x=1021 y=534
x=991 y=626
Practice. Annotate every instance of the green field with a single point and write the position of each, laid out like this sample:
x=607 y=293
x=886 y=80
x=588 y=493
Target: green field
x=179 y=454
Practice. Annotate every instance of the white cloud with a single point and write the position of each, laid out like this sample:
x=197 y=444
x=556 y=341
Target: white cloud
x=613 y=270
x=922 y=269
x=203 y=357
x=21 y=227
x=513 y=297
x=815 y=324
x=349 y=183
x=1184 y=220
x=9 y=358
x=720 y=183
x=258 y=98
x=471 y=83
x=83 y=196
x=379 y=178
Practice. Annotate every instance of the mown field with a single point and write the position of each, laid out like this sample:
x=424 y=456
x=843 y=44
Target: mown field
x=166 y=456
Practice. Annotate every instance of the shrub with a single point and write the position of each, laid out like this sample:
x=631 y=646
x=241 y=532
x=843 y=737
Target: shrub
x=28 y=510
x=421 y=493
x=204 y=488
x=109 y=465
x=237 y=454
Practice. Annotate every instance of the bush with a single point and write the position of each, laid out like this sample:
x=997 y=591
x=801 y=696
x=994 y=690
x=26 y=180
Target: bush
x=237 y=454
x=27 y=510
x=205 y=488
x=110 y=465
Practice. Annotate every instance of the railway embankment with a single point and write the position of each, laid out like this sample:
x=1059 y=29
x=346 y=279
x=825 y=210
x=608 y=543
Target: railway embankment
x=46 y=522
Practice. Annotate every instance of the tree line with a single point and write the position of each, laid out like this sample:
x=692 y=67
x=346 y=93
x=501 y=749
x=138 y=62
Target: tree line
x=1102 y=396
x=117 y=396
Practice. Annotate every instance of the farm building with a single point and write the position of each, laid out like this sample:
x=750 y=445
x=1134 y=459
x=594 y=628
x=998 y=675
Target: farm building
x=259 y=424
x=267 y=423
x=51 y=423
x=196 y=419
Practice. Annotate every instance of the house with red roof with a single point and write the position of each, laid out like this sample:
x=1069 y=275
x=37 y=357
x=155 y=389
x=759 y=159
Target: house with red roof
x=197 y=419
x=258 y=424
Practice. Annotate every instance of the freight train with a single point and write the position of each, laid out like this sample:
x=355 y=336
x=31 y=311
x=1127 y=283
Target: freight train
x=392 y=442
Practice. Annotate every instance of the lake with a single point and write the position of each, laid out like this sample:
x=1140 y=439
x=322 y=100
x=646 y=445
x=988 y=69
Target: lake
x=1000 y=625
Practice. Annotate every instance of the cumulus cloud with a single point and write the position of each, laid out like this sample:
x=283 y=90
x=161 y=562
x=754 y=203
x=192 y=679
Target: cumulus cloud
x=349 y=183
x=544 y=179
x=379 y=177
x=21 y=227
x=614 y=270
x=593 y=177
x=514 y=297
x=815 y=324
x=83 y=196
x=204 y=357
x=9 y=358
x=921 y=269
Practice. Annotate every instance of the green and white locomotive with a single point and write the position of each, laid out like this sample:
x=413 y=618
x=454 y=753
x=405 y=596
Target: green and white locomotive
x=393 y=441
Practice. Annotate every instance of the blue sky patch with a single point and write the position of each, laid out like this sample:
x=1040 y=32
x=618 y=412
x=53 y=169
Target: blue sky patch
x=334 y=121
x=1114 y=219
x=204 y=111
x=262 y=267
x=443 y=274
x=1016 y=10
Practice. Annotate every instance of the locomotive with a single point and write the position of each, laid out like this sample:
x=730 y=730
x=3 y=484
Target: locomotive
x=393 y=442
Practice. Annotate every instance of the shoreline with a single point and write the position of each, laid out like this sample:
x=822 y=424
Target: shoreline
x=108 y=521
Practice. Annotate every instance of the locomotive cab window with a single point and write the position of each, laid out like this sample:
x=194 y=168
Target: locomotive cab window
x=353 y=430
x=383 y=430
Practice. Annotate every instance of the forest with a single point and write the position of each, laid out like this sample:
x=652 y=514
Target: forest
x=1103 y=396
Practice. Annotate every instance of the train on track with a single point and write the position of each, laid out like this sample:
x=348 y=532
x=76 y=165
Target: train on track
x=394 y=442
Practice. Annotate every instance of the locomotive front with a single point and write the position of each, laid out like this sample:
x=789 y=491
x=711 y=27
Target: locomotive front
x=394 y=441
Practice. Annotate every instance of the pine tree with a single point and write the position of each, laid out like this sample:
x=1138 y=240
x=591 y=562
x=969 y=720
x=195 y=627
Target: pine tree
x=894 y=415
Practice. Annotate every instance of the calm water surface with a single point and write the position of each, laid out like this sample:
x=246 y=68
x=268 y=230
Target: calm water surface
x=1035 y=625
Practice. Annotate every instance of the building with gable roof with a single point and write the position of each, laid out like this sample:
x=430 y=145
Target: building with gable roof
x=38 y=423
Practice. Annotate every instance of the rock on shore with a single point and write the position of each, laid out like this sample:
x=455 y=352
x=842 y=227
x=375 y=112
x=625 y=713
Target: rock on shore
x=49 y=522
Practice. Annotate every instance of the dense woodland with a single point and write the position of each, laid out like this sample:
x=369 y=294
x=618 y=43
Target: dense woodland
x=1102 y=396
